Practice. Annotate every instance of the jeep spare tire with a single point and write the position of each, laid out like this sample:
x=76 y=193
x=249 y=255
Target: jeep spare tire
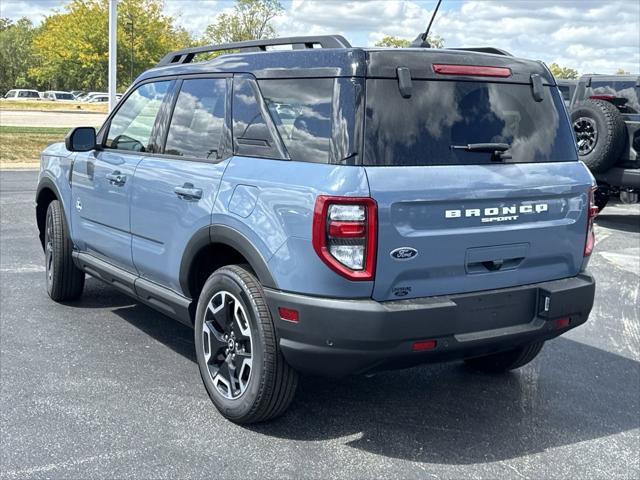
x=599 y=130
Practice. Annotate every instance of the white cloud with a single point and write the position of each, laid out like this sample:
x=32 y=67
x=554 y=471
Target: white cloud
x=588 y=35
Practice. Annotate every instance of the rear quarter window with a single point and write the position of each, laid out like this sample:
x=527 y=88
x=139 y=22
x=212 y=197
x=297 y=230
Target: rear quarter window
x=421 y=130
x=301 y=111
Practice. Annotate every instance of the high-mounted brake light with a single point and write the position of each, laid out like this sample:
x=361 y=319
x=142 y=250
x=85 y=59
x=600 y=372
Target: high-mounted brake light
x=608 y=98
x=591 y=215
x=344 y=235
x=472 y=70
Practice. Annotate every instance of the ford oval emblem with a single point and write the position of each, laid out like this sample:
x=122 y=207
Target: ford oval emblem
x=404 y=253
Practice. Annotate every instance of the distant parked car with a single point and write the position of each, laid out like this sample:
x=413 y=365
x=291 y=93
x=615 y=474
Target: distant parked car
x=98 y=98
x=55 y=95
x=87 y=96
x=78 y=93
x=102 y=97
x=567 y=88
x=22 y=94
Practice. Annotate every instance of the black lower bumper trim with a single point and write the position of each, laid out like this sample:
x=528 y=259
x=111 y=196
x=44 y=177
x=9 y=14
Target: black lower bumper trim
x=337 y=337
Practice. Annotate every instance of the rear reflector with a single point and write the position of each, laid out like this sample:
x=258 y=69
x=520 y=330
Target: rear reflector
x=562 y=323
x=423 y=345
x=288 y=314
x=473 y=70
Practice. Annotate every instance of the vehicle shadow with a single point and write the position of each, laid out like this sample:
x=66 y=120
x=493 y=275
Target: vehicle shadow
x=626 y=223
x=446 y=413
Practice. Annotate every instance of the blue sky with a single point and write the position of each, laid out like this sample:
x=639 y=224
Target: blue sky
x=588 y=35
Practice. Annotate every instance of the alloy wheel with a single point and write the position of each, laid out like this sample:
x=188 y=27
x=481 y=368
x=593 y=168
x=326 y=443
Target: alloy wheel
x=227 y=345
x=586 y=134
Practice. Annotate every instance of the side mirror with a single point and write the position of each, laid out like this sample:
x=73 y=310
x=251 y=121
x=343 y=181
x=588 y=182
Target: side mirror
x=81 y=139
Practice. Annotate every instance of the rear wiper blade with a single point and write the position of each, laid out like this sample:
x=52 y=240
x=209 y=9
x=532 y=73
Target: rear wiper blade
x=483 y=147
x=497 y=150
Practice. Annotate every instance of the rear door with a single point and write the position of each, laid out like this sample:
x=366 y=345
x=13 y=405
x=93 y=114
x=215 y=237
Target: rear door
x=102 y=179
x=174 y=191
x=454 y=220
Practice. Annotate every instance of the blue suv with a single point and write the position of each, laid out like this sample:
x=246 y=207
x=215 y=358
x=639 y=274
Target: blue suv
x=330 y=210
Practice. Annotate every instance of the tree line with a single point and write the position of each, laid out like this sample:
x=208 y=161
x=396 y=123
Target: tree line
x=69 y=50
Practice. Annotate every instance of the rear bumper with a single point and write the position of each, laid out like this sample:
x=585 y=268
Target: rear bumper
x=336 y=337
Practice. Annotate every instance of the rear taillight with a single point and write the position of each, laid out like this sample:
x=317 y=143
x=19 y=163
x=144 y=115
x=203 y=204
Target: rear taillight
x=593 y=212
x=344 y=235
x=473 y=70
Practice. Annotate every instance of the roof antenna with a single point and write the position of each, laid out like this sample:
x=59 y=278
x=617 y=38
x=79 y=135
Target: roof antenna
x=421 y=40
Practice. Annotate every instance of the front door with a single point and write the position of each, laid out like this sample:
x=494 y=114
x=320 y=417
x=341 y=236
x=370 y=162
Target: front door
x=102 y=179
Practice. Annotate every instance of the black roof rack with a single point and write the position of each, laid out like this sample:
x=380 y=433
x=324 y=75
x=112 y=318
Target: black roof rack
x=298 y=43
x=493 y=50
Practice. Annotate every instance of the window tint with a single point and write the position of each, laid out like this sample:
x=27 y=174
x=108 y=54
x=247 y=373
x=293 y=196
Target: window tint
x=131 y=126
x=64 y=96
x=251 y=133
x=301 y=111
x=28 y=94
x=197 y=122
x=440 y=114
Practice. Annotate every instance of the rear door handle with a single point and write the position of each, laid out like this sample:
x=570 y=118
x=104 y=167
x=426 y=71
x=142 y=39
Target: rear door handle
x=188 y=192
x=116 y=178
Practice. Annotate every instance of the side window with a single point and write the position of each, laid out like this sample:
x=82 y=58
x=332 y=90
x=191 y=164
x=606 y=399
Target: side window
x=132 y=124
x=197 y=124
x=301 y=110
x=251 y=134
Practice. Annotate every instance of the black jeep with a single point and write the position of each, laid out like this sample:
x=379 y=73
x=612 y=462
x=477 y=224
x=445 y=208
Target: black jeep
x=605 y=112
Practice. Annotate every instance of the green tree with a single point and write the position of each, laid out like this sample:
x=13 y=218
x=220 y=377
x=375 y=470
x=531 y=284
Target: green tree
x=72 y=46
x=15 y=53
x=621 y=71
x=563 y=72
x=249 y=20
x=435 y=41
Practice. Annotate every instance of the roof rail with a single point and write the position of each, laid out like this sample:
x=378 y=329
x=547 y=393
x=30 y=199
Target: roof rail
x=298 y=43
x=493 y=50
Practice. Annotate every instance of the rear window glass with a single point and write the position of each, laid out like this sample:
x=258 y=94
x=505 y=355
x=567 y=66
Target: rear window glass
x=422 y=129
x=64 y=96
x=624 y=90
x=301 y=111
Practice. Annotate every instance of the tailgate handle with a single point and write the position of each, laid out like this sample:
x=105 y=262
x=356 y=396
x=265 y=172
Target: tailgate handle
x=494 y=265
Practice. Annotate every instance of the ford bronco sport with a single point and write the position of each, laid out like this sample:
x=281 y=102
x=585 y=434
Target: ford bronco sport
x=330 y=210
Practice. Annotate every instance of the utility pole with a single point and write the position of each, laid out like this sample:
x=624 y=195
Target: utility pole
x=130 y=24
x=113 y=52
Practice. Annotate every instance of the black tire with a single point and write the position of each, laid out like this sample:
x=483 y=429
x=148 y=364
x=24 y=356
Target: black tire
x=600 y=133
x=65 y=281
x=505 y=361
x=271 y=382
x=601 y=197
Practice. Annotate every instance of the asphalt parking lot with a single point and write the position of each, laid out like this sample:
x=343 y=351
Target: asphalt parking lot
x=105 y=388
